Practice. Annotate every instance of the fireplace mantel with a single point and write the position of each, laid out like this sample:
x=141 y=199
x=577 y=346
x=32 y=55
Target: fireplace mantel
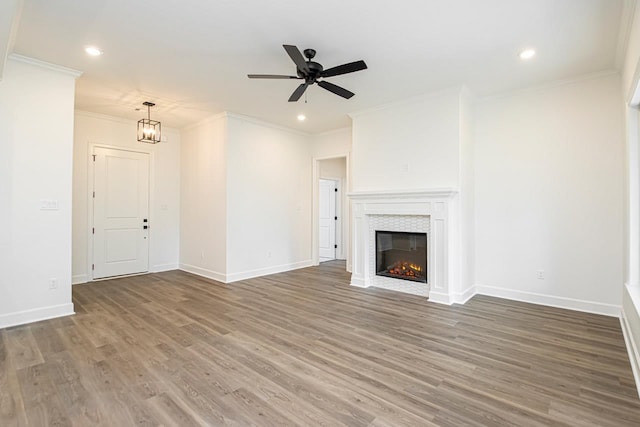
x=403 y=194
x=439 y=206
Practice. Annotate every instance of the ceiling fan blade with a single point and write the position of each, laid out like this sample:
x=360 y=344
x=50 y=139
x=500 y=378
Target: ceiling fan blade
x=297 y=57
x=340 y=91
x=298 y=92
x=344 y=69
x=271 y=76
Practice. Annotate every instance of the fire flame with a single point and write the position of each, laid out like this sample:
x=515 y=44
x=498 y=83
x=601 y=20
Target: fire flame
x=403 y=268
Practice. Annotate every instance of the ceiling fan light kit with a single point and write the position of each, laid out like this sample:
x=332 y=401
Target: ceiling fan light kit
x=149 y=131
x=310 y=71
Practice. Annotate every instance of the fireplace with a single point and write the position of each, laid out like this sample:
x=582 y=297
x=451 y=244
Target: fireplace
x=401 y=255
x=432 y=212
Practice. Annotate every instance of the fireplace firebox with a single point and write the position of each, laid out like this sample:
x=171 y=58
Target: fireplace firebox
x=401 y=255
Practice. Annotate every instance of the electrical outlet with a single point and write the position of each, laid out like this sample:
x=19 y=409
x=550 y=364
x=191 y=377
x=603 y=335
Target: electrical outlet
x=53 y=283
x=49 y=205
x=269 y=254
x=540 y=274
x=202 y=255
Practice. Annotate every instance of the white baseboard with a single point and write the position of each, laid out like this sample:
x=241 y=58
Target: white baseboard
x=35 y=315
x=79 y=279
x=463 y=297
x=358 y=282
x=243 y=275
x=164 y=267
x=440 y=297
x=632 y=350
x=209 y=274
x=550 y=300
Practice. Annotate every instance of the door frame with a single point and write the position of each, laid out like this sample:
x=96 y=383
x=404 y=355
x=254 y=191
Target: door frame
x=315 y=222
x=90 y=187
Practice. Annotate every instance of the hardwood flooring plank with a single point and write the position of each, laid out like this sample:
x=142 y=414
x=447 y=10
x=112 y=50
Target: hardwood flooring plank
x=11 y=406
x=22 y=347
x=173 y=413
x=42 y=405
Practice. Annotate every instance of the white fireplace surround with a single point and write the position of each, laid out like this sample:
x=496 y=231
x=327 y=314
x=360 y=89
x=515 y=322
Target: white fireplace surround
x=439 y=207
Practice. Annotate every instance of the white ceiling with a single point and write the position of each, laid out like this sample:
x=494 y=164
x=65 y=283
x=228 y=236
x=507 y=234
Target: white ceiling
x=192 y=57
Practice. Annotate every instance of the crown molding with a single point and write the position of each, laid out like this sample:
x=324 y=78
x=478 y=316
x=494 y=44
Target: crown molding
x=204 y=121
x=10 y=14
x=259 y=122
x=551 y=85
x=45 y=65
x=332 y=131
x=15 y=24
x=122 y=120
x=626 y=21
x=408 y=101
x=100 y=116
x=241 y=117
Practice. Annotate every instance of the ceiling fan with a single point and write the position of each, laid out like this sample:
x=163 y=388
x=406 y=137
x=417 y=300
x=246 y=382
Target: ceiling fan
x=311 y=71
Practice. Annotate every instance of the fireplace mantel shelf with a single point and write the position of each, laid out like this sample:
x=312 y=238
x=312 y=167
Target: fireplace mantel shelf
x=403 y=194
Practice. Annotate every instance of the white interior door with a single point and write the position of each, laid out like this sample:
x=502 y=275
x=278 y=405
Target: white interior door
x=327 y=232
x=120 y=213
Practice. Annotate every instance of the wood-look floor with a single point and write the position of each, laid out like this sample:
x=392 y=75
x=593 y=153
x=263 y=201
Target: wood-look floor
x=304 y=348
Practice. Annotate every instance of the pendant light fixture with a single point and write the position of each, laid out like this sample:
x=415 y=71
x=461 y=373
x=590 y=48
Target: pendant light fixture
x=148 y=130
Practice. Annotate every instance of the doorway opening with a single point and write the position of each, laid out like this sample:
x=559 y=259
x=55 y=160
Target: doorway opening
x=329 y=230
x=332 y=212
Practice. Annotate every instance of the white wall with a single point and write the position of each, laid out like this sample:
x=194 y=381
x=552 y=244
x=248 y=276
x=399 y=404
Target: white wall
x=269 y=172
x=164 y=213
x=549 y=195
x=203 y=225
x=631 y=291
x=36 y=138
x=409 y=145
x=333 y=168
x=335 y=143
x=467 y=194
x=246 y=199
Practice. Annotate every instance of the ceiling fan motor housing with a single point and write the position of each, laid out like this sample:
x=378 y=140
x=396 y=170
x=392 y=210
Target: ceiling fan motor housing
x=314 y=71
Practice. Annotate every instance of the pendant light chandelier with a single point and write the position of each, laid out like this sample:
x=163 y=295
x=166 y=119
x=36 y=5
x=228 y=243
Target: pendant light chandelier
x=149 y=130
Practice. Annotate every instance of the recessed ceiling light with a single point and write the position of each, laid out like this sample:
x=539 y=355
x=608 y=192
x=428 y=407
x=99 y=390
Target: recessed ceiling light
x=527 y=54
x=93 y=51
x=301 y=117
